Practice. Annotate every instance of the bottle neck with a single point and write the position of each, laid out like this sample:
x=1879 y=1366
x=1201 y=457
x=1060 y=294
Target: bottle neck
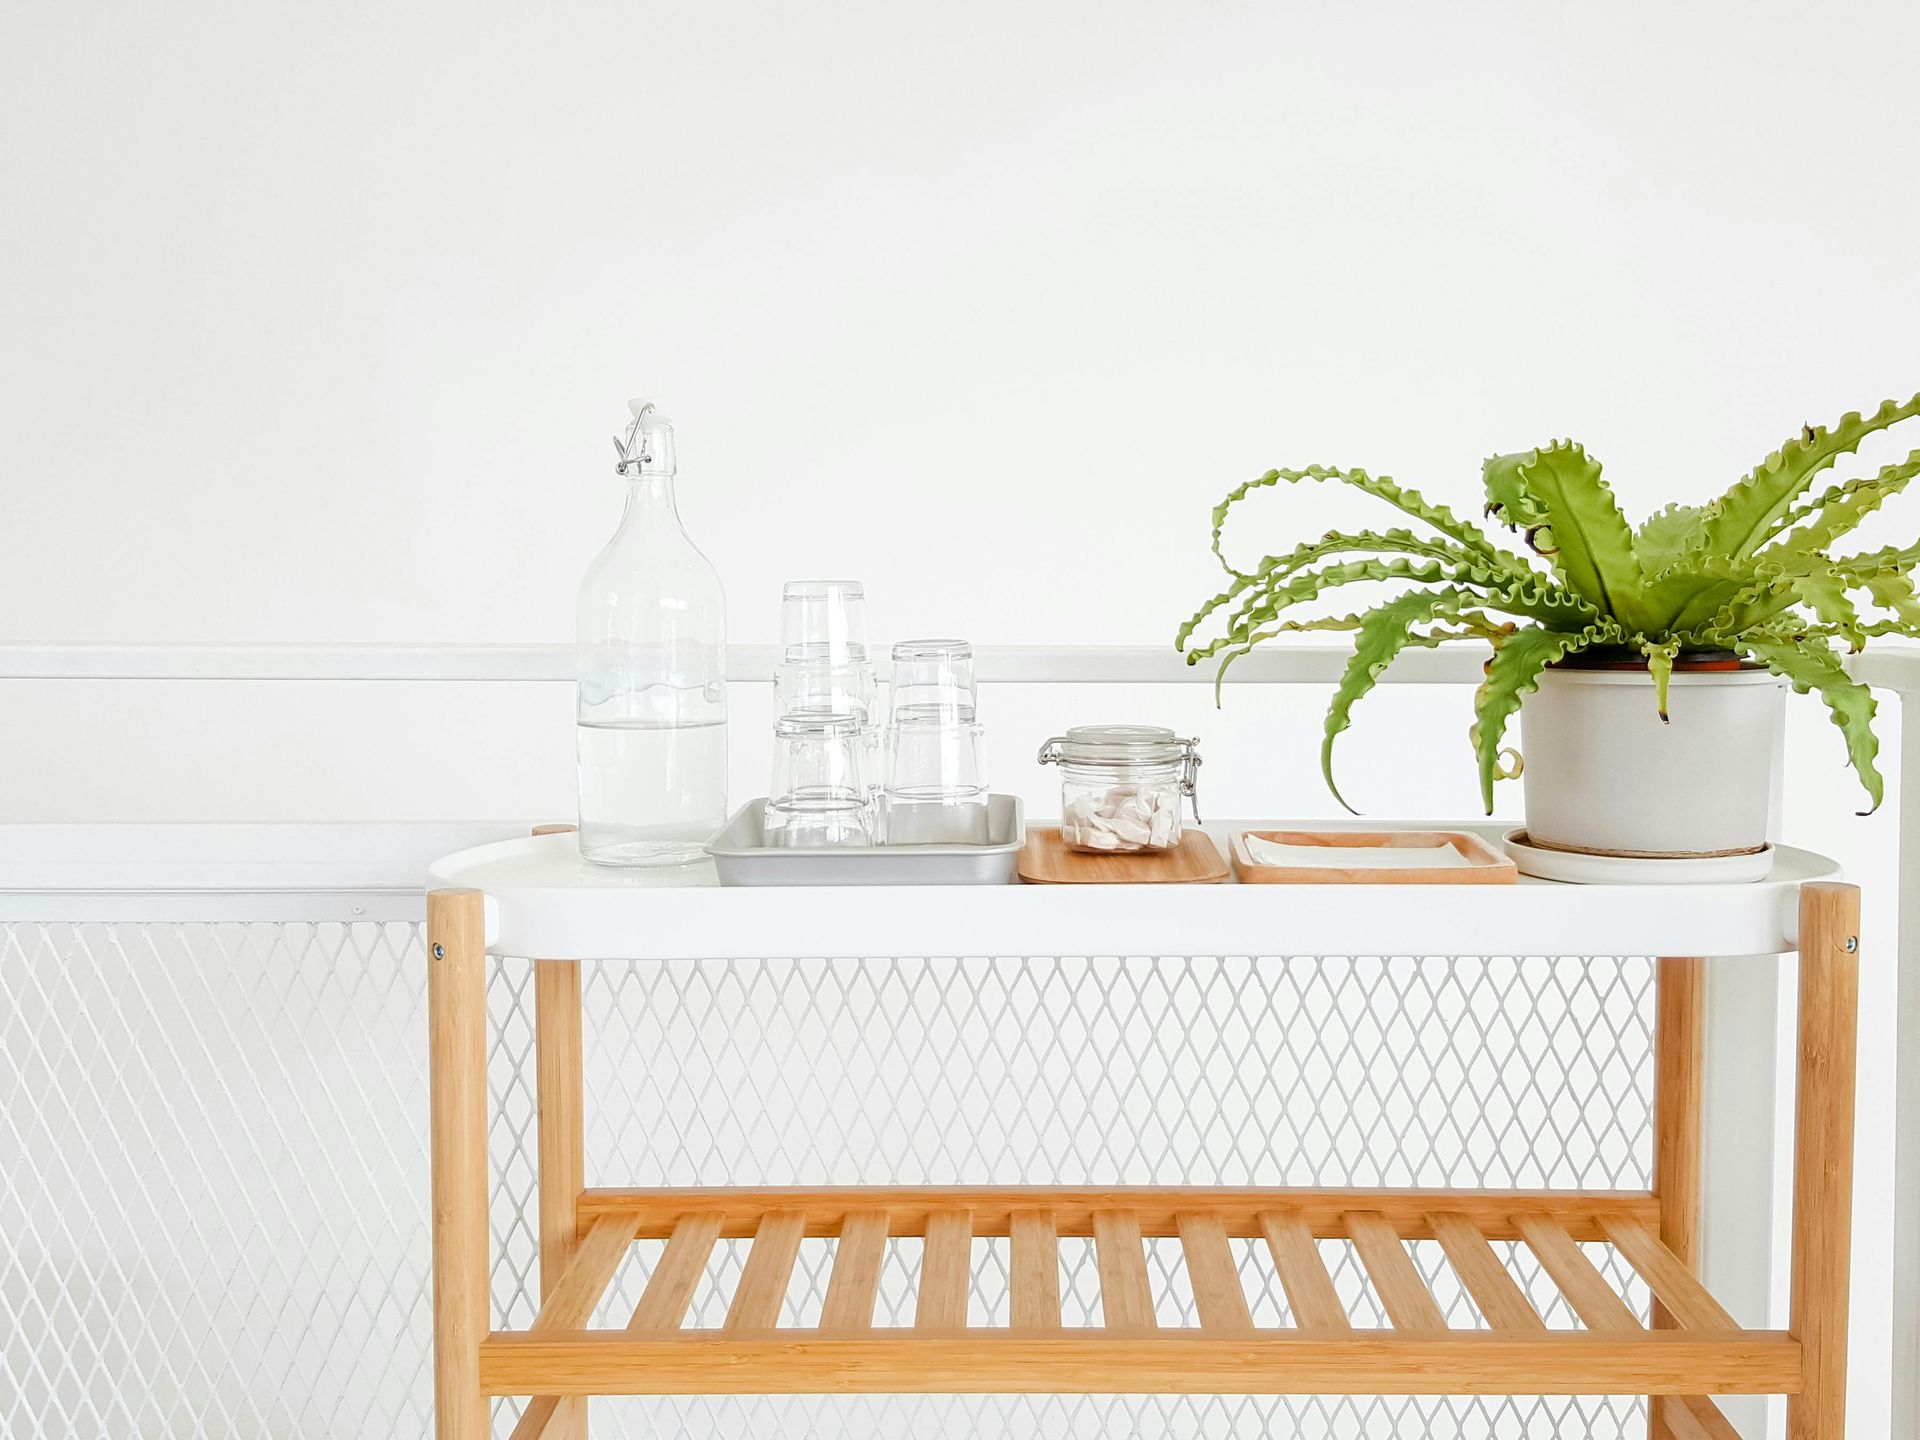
x=650 y=503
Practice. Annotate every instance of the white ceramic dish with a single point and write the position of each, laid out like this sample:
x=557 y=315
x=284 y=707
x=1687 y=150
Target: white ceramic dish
x=1578 y=869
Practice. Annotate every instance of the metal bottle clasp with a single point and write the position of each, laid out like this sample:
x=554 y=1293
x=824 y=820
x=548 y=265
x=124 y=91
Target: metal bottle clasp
x=631 y=459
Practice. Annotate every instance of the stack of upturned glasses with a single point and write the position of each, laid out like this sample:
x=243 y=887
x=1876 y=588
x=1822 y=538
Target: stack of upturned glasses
x=936 y=763
x=826 y=741
x=841 y=777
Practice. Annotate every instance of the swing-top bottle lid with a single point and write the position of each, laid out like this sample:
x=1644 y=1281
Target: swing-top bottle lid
x=647 y=448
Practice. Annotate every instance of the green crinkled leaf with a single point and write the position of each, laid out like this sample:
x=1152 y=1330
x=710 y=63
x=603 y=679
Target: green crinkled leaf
x=1549 y=604
x=1397 y=541
x=1265 y=604
x=1384 y=632
x=1660 y=658
x=1892 y=590
x=1749 y=513
x=1811 y=665
x=1668 y=536
x=1693 y=591
x=1588 y=541
x=1684 y=585
x=1343 y=622
x=1382 y=487
x=1910 y=629
x=1512 y=675
x=1870 y=562
x=1771 y=591
x=1839 y=509
x=1307 y=585
x=1508 y=499
x=1540 y=599
x=1825 y=593
x=1192 y=622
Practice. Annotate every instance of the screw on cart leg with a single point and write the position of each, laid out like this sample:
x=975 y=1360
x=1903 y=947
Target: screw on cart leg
x=457 y=1054
x=1823 y=1156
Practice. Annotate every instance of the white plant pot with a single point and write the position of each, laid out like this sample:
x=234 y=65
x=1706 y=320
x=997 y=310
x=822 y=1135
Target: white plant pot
x=1604 y=775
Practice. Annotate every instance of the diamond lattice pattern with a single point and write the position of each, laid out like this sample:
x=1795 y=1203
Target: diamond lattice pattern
x=213 y=1178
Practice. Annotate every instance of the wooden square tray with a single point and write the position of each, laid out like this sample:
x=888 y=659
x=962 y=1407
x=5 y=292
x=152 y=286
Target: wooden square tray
x=1485 y=865
x=1046 y=860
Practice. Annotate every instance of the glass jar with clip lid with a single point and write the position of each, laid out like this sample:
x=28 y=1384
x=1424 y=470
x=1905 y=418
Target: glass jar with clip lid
x=1122 y=786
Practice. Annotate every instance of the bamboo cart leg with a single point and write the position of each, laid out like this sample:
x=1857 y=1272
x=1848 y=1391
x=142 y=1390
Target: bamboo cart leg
x=562 y=1145
x=1823 y=1156
x=457 y=1085
x=1678 y=1040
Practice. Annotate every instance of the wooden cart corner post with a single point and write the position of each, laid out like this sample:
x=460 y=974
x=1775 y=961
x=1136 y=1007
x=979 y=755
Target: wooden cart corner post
x=1823 y=1156
x=457 y=1091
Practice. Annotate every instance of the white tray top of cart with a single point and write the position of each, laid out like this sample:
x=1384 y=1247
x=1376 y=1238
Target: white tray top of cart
x=544 y=901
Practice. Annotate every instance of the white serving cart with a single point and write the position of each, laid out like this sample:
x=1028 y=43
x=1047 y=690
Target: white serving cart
x=536 y=898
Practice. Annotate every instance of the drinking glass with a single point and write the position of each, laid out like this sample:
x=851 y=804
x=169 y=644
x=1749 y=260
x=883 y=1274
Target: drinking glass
x=841 y=688
x=824 y=662
x=936 y=783
x=933 y=683
x=819 y=795
x=823 y=622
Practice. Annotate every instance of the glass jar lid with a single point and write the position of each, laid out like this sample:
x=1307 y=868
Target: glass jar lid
x=1121 y=744
x=1124 y=750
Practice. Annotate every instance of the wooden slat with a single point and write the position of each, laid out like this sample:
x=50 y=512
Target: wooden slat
x=1684 y=1296
x=595 y=1258
x=1409 y=1304
x=1695 y=1417
x=857 y=1257
x=1036 y=1271
x=946 y=1266
x=763 y=1280
x=1587 y=1291
x=663 y=1304
x=1073 y=1208
x=1487 y=1281
x=1303 y=1274
x=1126 y=1299
x=1177 y=1362
x=540 y=1413
x=1216 y=1283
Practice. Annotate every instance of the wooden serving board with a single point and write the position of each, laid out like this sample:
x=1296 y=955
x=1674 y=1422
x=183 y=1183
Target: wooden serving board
x=1485 y=865
x=1046 y=860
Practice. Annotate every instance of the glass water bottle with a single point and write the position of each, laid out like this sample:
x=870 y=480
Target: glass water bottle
x=652 y=712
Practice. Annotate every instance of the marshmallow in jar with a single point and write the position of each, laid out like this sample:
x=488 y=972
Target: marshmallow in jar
x=1122 y=786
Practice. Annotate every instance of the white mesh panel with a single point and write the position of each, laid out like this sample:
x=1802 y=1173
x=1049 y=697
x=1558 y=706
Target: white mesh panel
x=213 y=1174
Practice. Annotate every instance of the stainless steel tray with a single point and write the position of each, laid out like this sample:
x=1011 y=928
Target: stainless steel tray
x=742 y=856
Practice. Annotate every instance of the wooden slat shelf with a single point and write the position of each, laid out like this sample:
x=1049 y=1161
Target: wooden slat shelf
x=1130 y=1349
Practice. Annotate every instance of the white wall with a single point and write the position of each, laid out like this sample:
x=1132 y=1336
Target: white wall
x=315 y=318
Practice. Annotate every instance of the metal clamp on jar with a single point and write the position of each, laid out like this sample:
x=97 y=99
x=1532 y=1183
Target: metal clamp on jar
x=1121 y=786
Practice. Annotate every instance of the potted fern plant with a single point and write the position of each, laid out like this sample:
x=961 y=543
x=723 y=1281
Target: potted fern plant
x=1651 y=661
